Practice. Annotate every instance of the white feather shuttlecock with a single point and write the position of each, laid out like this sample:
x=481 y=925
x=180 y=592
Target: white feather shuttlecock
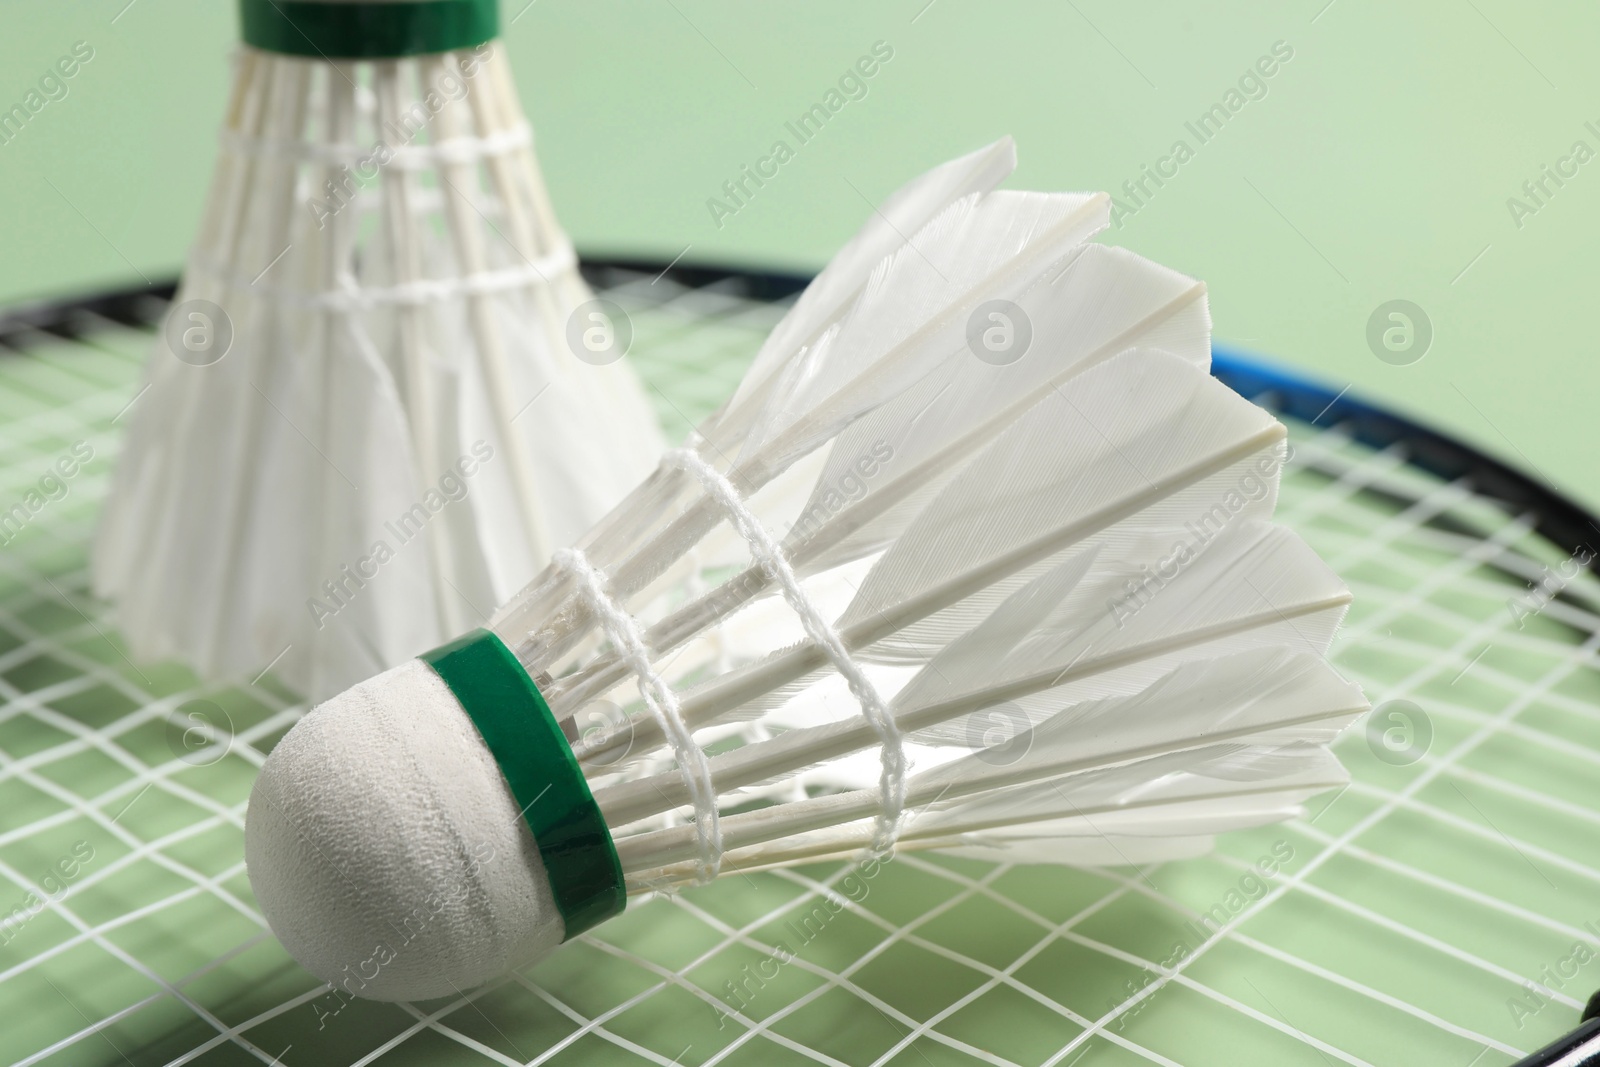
x=384 y=395
x=1036 y=611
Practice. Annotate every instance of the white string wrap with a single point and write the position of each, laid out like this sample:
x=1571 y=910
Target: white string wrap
x=414 y=294
x=769 y=554
x=425 y=156
x=624 y=632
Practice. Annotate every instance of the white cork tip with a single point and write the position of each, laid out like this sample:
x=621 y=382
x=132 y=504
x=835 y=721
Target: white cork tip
x=387 y=852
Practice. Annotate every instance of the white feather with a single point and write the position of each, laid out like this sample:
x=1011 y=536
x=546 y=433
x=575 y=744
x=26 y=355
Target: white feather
x=378 y=352
x=906 y=211
x=1033 y=611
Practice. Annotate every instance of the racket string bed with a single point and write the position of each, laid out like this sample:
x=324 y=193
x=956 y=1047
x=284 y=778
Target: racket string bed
x=1369 y=919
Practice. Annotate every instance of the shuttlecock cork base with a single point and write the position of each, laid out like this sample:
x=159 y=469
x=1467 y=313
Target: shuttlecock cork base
x=513 y=859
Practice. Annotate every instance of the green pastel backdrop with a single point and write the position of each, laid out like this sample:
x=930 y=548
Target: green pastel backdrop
x=1378 y=165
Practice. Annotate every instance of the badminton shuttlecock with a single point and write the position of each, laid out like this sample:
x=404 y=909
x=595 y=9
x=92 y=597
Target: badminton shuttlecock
x=1036 y=610
x=384 y=394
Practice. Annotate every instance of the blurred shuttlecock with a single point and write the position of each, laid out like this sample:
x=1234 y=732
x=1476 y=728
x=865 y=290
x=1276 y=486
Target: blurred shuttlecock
x=1010 y=544
x=384 y=394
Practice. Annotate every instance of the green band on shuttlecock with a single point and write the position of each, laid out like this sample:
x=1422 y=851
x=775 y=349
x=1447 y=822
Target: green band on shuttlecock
x=509 y=711
x=367 y=29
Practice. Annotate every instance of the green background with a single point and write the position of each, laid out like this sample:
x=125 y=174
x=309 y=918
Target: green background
x=1378 y=166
